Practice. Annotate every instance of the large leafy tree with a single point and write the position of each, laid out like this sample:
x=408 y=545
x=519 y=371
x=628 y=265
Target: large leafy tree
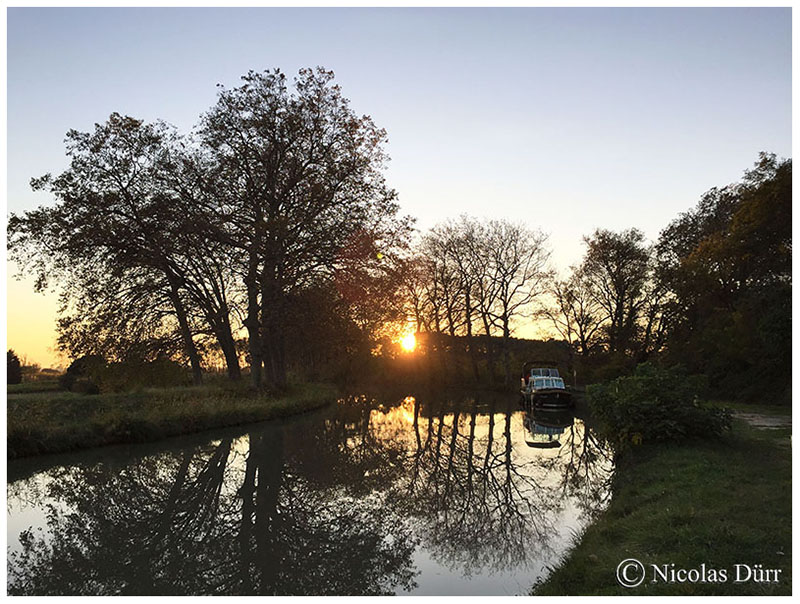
x=129 y=230
x=301 y=176
x=111 y=215
x=727 y=264
x=617 y=268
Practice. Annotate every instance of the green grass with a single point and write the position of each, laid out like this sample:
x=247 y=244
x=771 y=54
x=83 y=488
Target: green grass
x=51 y=422
x=34 y=386
x=721 y=503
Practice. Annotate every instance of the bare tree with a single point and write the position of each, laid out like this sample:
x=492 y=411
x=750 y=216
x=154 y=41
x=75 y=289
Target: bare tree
x=575 y=314
x=518 y=272
x=458 y=240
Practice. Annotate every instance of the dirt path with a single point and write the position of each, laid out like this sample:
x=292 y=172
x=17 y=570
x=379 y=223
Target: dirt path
x=759 y=420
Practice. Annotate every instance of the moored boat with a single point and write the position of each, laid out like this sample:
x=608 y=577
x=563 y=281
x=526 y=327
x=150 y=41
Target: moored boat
x=542 y=387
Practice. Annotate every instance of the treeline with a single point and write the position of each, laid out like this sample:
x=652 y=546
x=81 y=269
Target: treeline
x=475 y=278
x=713 y=293
x=726 y=269
x=267 y=240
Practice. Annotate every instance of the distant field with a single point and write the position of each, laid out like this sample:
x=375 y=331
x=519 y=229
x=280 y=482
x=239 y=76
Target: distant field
x=44 y=421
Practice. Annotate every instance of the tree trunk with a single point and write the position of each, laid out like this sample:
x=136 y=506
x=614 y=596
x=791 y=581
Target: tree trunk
x=506 y=352
x=228 y=346
x=253 y=325
x=273 y=342
x=489 y=348
x=473 y=360
x=273 y=345
x=186 y=332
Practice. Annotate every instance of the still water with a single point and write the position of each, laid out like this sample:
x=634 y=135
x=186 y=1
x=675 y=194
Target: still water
x=410 y=496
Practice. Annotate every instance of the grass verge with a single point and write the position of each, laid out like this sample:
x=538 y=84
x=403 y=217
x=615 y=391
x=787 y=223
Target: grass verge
x=48 y=422
x=34 y=386
x=718 y=503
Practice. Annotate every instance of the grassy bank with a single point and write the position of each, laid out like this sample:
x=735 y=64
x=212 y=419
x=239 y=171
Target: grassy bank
x=34 y=386
x=721 y=503
x=51 y=422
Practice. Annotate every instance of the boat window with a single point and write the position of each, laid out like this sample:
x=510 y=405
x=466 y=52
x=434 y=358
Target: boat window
x=538 y=383
x=545 y=372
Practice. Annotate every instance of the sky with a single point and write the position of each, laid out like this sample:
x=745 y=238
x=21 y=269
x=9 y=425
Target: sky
x=565 y=119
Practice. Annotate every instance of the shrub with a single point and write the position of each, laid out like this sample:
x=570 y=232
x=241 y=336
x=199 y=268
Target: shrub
x=131 y=375
x=656 y=404
x=86 y=370
x=14 y=368
x=85 y=386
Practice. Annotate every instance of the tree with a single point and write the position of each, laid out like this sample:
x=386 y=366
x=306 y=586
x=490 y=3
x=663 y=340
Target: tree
x=726 y=265
x=458 y=242
x=121 y=314
x=301 y=175
x=575 y=314
x=517 y=273
x=13 y=368
x=617 y=268
x=113 y=216
x=468 y=273
x=368 y=278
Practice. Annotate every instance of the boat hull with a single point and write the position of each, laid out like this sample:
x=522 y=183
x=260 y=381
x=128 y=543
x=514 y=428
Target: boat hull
x=550 y=398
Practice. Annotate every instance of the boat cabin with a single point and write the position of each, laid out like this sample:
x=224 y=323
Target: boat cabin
x=542 y=383
x=541 y=386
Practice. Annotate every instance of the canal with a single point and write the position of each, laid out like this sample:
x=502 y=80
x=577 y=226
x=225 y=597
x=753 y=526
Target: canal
x=437 y=495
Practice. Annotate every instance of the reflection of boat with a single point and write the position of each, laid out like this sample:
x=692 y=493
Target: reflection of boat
x=543 y=428
x=542 y=387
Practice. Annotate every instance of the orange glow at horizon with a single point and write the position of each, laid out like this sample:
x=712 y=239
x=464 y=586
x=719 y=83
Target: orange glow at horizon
x=409 y=342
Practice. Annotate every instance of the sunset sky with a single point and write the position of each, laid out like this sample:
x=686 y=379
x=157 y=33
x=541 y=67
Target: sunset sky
x=567 y=119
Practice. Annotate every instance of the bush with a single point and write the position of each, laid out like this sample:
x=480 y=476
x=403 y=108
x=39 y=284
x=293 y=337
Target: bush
x=91 y=374
x=132 y=375
x=84 y=374
x=656 y=405
x=85 y=386
x=14 y=368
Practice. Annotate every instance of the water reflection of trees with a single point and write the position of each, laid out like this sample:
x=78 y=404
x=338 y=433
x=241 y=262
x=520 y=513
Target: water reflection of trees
x=481 y=503
x=335 y=506
x=210 y=520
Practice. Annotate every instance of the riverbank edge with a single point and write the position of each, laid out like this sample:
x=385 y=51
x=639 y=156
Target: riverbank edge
x=718 y=503
x=43 y=423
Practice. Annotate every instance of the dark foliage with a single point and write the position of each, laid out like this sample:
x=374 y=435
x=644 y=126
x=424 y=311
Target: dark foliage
x=728 y=265
x=656 y=405
x=14 y=368
x=83 y=375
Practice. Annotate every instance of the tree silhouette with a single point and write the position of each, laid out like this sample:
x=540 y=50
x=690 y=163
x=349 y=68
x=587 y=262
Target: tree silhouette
x=13 y=368
x=302 y=176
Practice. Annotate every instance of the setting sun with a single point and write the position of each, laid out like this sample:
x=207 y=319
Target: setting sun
x=409 y=342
